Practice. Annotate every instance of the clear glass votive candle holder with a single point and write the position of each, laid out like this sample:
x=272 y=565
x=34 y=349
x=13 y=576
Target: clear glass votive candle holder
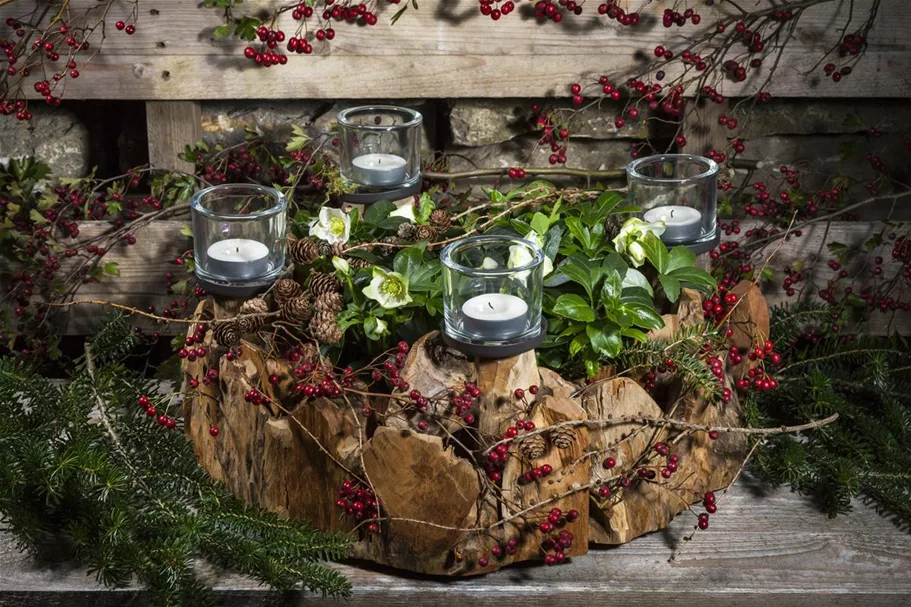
x=239 y=235
x=380 y=146
x=682 y=191
x=493 y=288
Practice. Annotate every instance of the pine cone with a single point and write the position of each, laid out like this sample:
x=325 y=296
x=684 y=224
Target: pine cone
x=330 y=250
x=533 y=446
x=562 y=437
x=257 y=305
x=393 y=240
x=284 y=290
x=407 y=231
x=250 y=324
x=329 y=302
x=297 y=310
x=441 y=220
x=304 y=250
x=428 y=233
x=322 y=283
x=227 y=333
x=324 y=328
x=357 y=263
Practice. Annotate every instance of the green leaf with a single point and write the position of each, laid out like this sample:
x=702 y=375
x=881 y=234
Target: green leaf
x=655 y=252
x=694 y=277
x=371 y=329
x=426 y=205
x=186 y=231
x=635 y=334
x=111 y=268
x=540 y=223
x=680 y=257
x=635 y=278
x=221 y=31
x=583 y=272
x=179 y=287
x=377 y=212
x=645 y=316
x=671 y=286
x=605 y=338
x=36 y=216
x=578 y=342
x=580 y=232
x=611 y=290
x=420 y=273
x=573 y=306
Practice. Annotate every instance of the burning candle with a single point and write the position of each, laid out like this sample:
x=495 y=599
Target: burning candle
x=379 y=169
x=495 y=316
x=237 y=259
x=683 y=224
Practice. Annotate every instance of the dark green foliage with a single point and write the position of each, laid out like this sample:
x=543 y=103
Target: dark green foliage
x=83 y=461
x=867 y=452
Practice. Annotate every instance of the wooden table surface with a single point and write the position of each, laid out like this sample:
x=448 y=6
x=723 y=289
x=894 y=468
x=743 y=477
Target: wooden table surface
x=765 y=547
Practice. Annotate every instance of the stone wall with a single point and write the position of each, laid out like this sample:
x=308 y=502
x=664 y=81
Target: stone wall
x=824 y=138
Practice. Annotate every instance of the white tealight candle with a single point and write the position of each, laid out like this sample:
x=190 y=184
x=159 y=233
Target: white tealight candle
x=237 y=259
x=495 y=316
x=684 y=224
x=379 y=169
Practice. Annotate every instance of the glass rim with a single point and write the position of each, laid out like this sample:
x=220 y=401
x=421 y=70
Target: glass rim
x=447 y=260
x=280 y=202
x=415 y=117
x=711 y=168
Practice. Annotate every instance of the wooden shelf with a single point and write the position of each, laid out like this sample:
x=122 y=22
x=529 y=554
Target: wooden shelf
x=765 y=547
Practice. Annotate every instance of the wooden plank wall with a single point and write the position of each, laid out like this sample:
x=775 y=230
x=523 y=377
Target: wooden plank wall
x=446 y=49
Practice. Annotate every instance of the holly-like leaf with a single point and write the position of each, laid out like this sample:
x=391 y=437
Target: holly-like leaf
x=671 y=286
x=573 y=306
x=582 y=271
x=696 y=278
x=680 y=257
x=655 y=251
x=605 y=338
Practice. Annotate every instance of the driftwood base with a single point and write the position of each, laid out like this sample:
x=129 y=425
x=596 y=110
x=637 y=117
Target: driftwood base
x=440 y=511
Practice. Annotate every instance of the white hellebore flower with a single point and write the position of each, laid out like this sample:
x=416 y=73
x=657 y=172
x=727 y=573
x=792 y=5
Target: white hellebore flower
x=520 y=256
x=633 y=231
x=389 y=289
x=382 y=327
x=333 y=226
x=341 y=265
x=405 y=209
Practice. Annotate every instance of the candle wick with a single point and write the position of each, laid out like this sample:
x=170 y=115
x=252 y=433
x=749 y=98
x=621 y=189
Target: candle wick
x=238 y=249
x=490 y=303
x=672 y=213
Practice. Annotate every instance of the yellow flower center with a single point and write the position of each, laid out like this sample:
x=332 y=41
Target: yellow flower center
x=337 y=226
x=392 y=287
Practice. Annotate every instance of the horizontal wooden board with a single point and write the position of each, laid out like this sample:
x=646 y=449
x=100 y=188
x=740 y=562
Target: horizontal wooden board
x=447 y=49
x=143 y=267
x=764 y=547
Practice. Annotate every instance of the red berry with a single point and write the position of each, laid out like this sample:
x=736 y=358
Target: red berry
x=519 y=394
x=213 y=431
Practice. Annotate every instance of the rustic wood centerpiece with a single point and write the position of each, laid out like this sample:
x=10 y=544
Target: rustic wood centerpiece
x=545 y=468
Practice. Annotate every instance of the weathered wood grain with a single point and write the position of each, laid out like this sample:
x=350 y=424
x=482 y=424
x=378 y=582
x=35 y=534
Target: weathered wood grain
x=764 y=547
x=143 y=267
x=172 y=125
x=447 y=49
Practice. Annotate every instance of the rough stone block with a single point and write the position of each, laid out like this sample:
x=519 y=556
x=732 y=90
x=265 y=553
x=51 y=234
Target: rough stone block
x=591 y=154
x=54 y=136
x=826 y=116
x=476 y=122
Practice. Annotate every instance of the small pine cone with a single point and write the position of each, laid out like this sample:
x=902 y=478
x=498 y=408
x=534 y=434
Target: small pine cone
x=533 y=446
x=357 y=263
x=407 y=231
x=562 y=437
x=441 y=220
x=284 y=290
x=304 y=250
x=428 y=233
x=325 y=249
x=227 y=333
x=297 y=310
x=329 y=302
x=257 y=305
x=324 y=328
x=322 y=283
x=250 y=324
x=391 y=240
x=338 y=249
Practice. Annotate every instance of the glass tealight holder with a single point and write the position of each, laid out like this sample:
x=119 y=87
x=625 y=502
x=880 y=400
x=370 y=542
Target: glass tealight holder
x=380 y=151
x=493 y=287
x=682 y=191
x=238 y=237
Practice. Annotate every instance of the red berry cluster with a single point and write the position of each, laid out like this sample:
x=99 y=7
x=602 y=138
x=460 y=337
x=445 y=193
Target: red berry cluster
x=359 y=503
x=552 y=133
x=672 y=17
x=837 y=74
x=557 y=539
x=537 y=472
x=516 y=173
x=616 y=13
x=315 y=379
x=716 y=308
x=672 y=461
x=255 y=397
x=853 y=44
x=758 y=378
x=494 y=9
x=716 y=365
x=392 y=368
x=553 y=9
x=708 y=502
x=651 y=377
x=268 y=56
x=163 y=419
x=192 y=353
